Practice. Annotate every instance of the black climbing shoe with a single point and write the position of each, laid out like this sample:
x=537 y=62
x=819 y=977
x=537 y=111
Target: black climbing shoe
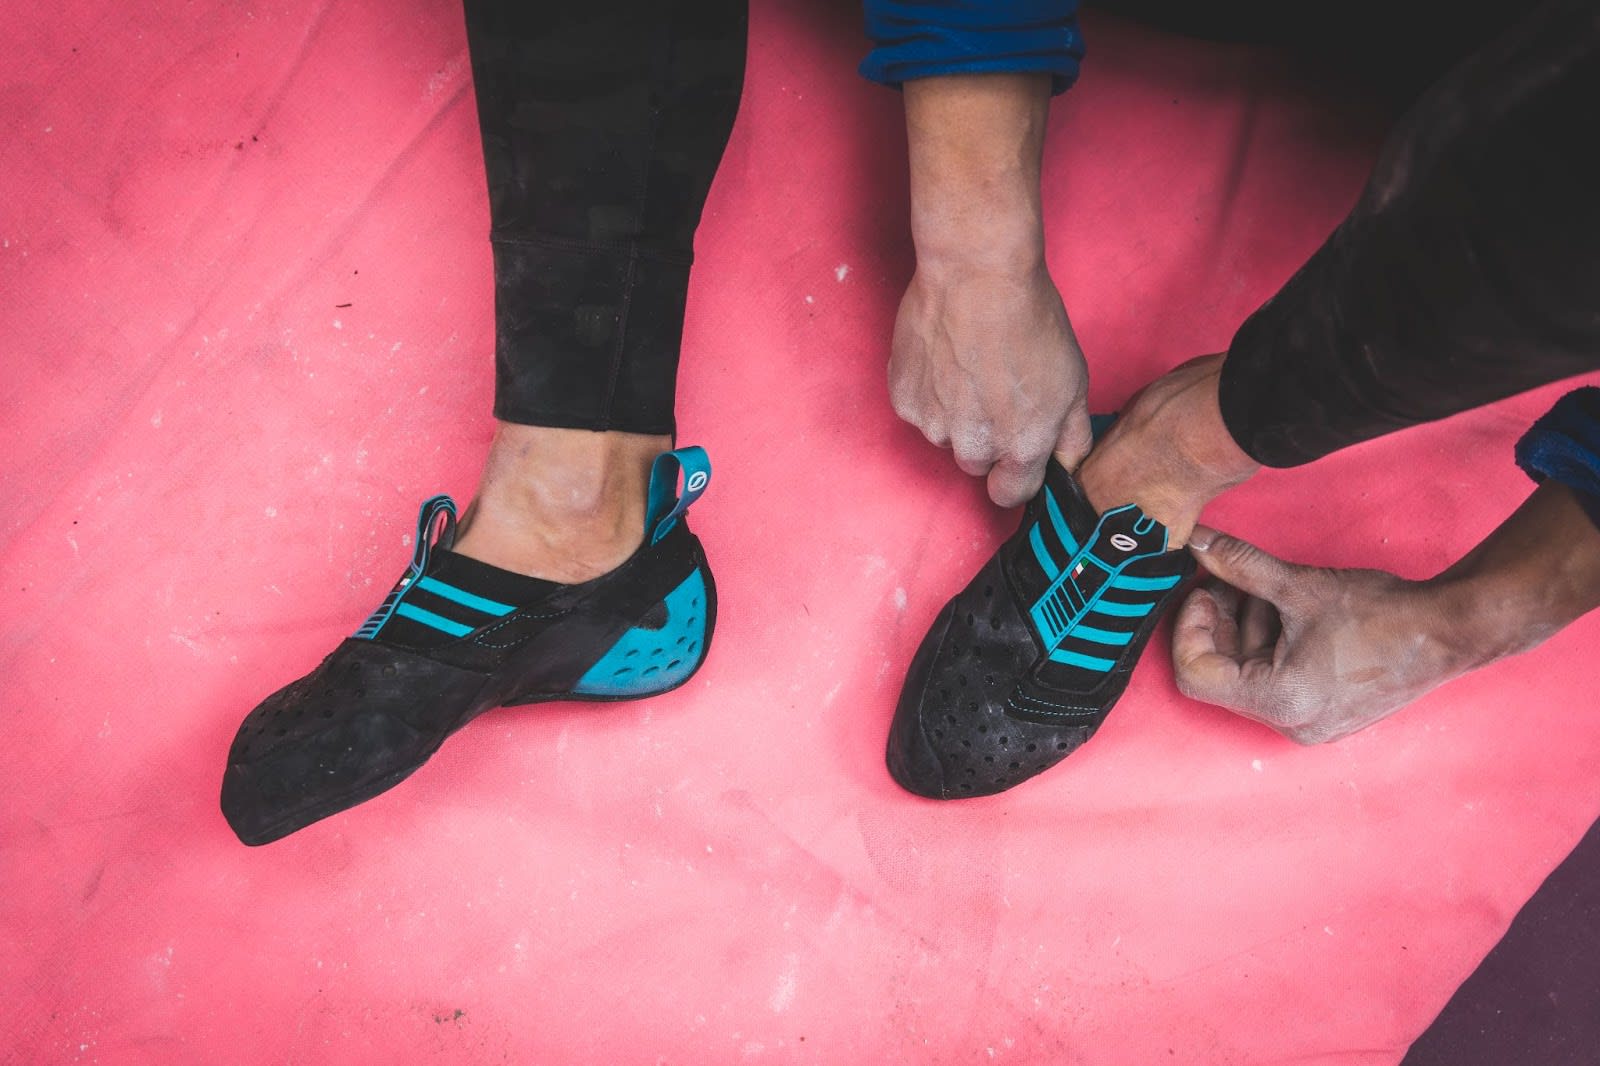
x=1026 y=662
x=445 y=646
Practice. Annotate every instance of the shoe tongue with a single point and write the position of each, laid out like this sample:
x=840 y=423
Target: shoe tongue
x=469 y=574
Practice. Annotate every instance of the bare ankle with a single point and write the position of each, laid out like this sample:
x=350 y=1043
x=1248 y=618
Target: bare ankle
x=562 y=504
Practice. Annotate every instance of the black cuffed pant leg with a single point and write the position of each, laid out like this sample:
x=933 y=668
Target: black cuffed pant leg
x=603 y=123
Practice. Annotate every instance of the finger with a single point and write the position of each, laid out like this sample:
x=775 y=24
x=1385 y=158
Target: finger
x=1259 y=627
x=1228 y=598
x=1244 y=565
x=974 y=446
x=1013 y=482
x=973 y=467
x=1076 y=437
x=1195 y=629
x=934 y=430
x=1243 y=686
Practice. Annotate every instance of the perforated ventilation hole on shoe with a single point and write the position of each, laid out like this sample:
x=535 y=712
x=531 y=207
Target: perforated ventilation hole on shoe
x=389 y=670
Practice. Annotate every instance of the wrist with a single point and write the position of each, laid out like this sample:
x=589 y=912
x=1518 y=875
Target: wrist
x=975 y=145
x=1479 y=615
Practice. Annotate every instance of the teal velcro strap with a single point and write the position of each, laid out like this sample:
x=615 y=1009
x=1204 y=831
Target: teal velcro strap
x=665 y=504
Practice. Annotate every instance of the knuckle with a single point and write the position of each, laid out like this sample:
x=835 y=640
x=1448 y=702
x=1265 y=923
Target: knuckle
x=1186 y=682
x=905 y=402
x=973 y=441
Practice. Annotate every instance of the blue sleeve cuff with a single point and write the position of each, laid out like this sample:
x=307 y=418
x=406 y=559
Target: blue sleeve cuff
x=1564 y=446
x=928 y=38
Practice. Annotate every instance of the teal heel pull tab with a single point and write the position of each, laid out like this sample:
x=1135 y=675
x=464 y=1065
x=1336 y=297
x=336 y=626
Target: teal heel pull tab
x=1098 y=424
x=666 y=506
x=436 y=527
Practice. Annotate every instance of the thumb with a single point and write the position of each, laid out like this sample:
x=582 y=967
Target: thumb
x=1076 y=437
x=1243 y=565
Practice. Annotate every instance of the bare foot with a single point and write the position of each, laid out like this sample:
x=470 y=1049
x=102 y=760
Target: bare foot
x=1169 y=451
x=566 y=505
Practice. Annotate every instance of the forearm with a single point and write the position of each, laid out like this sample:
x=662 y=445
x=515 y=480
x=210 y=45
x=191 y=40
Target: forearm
x=1534 y=575
x=976 y=144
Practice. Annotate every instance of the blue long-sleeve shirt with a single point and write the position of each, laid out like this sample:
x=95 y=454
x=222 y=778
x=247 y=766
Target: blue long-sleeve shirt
x=924 y=38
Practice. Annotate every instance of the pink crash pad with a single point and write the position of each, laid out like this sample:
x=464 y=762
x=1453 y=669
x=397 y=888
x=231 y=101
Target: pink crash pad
x=245 y=310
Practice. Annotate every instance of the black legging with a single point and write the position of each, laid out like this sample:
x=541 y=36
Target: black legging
x=603 y=122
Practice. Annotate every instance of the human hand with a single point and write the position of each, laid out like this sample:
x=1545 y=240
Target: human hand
x=985 y=363
x=1315 y=653
x=1168 y=451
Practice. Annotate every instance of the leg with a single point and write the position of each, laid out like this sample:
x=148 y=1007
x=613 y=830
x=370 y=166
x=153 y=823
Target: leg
x=602 y=128
x=1465 y=274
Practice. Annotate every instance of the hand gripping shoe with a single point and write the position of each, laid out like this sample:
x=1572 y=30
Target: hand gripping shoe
x=435 y=655
x=1026 y=662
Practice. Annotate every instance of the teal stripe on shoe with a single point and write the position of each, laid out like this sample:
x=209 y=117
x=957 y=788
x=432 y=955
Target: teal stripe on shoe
x=1049 y=564
x=1088 y=662
x=1069 y=543
x=465 y=599
x=1122 y=610
x=432 y=621
x=1144 y=584
x=1101 y=636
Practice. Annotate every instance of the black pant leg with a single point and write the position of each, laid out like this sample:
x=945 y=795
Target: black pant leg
x=603 y=122
x=1468 y=271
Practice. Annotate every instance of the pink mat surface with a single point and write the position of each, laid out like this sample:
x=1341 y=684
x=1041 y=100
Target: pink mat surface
x=245 y=310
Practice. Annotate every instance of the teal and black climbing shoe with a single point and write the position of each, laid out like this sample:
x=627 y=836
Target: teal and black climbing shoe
x=1026 y=662
x=457 y=637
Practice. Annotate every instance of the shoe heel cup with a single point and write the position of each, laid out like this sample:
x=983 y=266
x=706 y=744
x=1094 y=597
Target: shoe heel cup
x=645 y=662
